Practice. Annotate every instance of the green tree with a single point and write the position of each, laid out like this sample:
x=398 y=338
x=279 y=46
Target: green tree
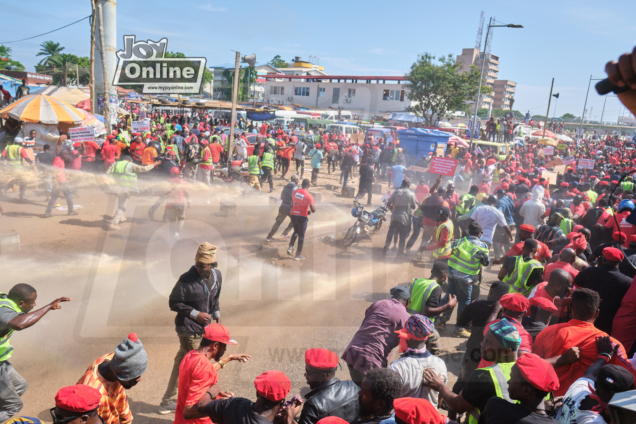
x=278 y=62
x=538 y=117
x=439 y=88
x=5 y=59
x=568 y=117
x=64 y=67
x=49 y=49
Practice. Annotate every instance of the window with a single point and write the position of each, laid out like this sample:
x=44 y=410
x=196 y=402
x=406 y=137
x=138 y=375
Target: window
x=321 y=92
x=301 y=91
x=276 y=90
x=351 y=93
x=395 y=95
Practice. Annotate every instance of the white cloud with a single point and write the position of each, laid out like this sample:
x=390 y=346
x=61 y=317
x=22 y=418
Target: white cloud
x=209 y=8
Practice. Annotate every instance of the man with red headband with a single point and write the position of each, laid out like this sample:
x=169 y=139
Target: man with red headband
x=415 y=359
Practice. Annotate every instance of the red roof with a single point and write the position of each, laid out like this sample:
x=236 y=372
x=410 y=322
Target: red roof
x=334 y=77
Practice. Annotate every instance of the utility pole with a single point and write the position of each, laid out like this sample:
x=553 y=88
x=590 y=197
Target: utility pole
x=235 y=89
x=106 y=61
x=104 y=74
x=91 y=77
x=66 y=74
x=77 y=74
x=545 y=125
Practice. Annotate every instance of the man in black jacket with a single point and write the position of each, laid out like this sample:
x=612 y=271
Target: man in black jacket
x=195 y=299
x=329 y=397
x=285 y=208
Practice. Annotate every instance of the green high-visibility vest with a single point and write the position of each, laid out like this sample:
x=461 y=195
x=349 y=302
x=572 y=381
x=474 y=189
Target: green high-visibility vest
x=271 y=141
x=592 y=195
x=6 y=350
x=252 y=165
x=566 y=225
x=123 y=175
x=627 y=186
x=464 y=259
x=395 y=154
x=500 y=374
x=421 y=290
x=462 y=206
x=445 y=250
x=209 y=161
x=14 y=155
x=268 y=160
x=519 y=277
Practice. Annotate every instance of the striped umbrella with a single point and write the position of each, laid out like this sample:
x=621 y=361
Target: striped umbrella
x=43 y=109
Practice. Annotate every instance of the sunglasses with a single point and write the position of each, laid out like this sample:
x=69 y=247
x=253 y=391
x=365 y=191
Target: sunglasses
x=57 y=420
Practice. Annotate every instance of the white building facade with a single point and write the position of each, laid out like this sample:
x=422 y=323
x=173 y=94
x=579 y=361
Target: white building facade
x=364 y=96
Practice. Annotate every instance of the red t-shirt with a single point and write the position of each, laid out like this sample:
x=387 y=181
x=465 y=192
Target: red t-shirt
x=543 y=252
x=109 y=153
x=196 y=375
x=216 y=150
x=76 y=163
x=90 y=147
x=540 y=291
x=577 y=209
x=623 y=226
x=302 y=199
x=559 y=265
x=58 y=162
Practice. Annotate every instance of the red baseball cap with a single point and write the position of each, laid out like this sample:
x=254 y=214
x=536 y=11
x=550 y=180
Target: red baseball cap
x=527 y=228
x=78 y=398
x=417 y=411
x=613 y=254
x=538 y=372
x=332 y=420
x=514 y=302
x=543 y=303
x=321 y=359
x=218 y=333
x=272 y=385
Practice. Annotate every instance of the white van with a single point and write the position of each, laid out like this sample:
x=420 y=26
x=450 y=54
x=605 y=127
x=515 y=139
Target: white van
x=332 y=115
x=343 y=128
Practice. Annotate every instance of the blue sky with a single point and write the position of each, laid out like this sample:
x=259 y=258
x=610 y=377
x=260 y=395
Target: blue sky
x=567 y=40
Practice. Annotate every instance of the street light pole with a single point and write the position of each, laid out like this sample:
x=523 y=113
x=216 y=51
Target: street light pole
x=481 y=75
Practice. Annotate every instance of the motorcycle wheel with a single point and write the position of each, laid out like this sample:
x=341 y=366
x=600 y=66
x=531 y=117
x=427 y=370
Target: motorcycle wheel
x=351 y=236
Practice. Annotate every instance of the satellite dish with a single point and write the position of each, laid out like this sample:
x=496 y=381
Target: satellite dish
x=250 y=60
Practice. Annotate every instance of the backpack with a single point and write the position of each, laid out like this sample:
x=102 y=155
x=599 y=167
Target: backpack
x=194 y=153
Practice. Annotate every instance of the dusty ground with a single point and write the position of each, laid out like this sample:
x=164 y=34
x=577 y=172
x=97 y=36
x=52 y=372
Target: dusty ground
x=119 y=282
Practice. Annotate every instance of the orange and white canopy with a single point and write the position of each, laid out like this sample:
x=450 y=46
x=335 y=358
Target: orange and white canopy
x=43 y=109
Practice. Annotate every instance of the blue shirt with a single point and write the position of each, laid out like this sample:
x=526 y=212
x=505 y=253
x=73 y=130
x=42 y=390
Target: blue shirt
x=506 y=206
x=398 y=175
x=315 y=155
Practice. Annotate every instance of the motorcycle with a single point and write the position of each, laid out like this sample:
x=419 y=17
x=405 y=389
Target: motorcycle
x=368 y=223
x=237 y=170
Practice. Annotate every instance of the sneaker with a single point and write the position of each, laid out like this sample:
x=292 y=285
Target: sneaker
x=123 y=219
x=290 y=251
x=299 y=258
x=175 y=236
x=48 y=215
x=167 y=409
x=74 y=213
x=114 y=227
x=286 y=236
x=461 y=334
x=268 y=239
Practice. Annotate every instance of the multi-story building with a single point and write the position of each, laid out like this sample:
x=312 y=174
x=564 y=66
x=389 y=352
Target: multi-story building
x=504 y=93
x=502 y=90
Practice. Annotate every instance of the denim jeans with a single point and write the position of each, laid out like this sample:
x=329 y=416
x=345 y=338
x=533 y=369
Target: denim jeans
x=65 y=189
x=463 y=293
x=12 y=387
x=345 y=175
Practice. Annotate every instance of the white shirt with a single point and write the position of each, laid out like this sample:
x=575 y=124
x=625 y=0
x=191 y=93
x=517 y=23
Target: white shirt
x=569 y=413
x=241 y=147
x=488 y=217
x=410 y=368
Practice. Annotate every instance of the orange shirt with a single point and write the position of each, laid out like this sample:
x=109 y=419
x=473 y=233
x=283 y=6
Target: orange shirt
x=216 y=149
x=543 y=252
x=113 y=407
x=149 y=156
x=555 y=340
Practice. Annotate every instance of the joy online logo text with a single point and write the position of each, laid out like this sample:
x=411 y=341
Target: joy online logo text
x=143 y=63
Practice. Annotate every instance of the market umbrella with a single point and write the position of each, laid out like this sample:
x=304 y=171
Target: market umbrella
x=539 y=133
x=547 y=141
x=84 y=104
x=43 y=109
x=461 y=125
x=564 y=137
x=445 y=125
x=460 y=142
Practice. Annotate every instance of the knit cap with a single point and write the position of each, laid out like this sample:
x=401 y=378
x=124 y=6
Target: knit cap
x=130 y=360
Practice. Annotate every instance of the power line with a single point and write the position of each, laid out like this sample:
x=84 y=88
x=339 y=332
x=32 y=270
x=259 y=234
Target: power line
x=39 y=35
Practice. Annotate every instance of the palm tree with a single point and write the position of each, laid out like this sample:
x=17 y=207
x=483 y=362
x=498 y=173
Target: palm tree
x=49 y=49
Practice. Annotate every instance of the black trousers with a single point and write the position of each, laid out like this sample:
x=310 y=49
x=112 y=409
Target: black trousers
x=285 y=166
x=402 y=232
x=283 y=212
x=300 y=226
x=267 y=176
x=300 y=164
x=365 y=188
x=314 y=175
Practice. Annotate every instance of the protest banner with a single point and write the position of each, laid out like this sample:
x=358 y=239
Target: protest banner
x=443 y=166
x=554 y=162
x=586 y=163
x=82 y=134
x=560 y=169
x=562 y=146
x=548 y=150
x=478 y=151
x=140 y=126
x=357 y=138
x=568 y=160
x=550 y=176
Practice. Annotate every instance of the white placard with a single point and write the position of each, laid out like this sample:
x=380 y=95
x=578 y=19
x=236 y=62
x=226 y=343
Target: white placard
x=568 y=160
x=586 y=163
x=82 y=134
x=548 y=150
x=140 y=126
